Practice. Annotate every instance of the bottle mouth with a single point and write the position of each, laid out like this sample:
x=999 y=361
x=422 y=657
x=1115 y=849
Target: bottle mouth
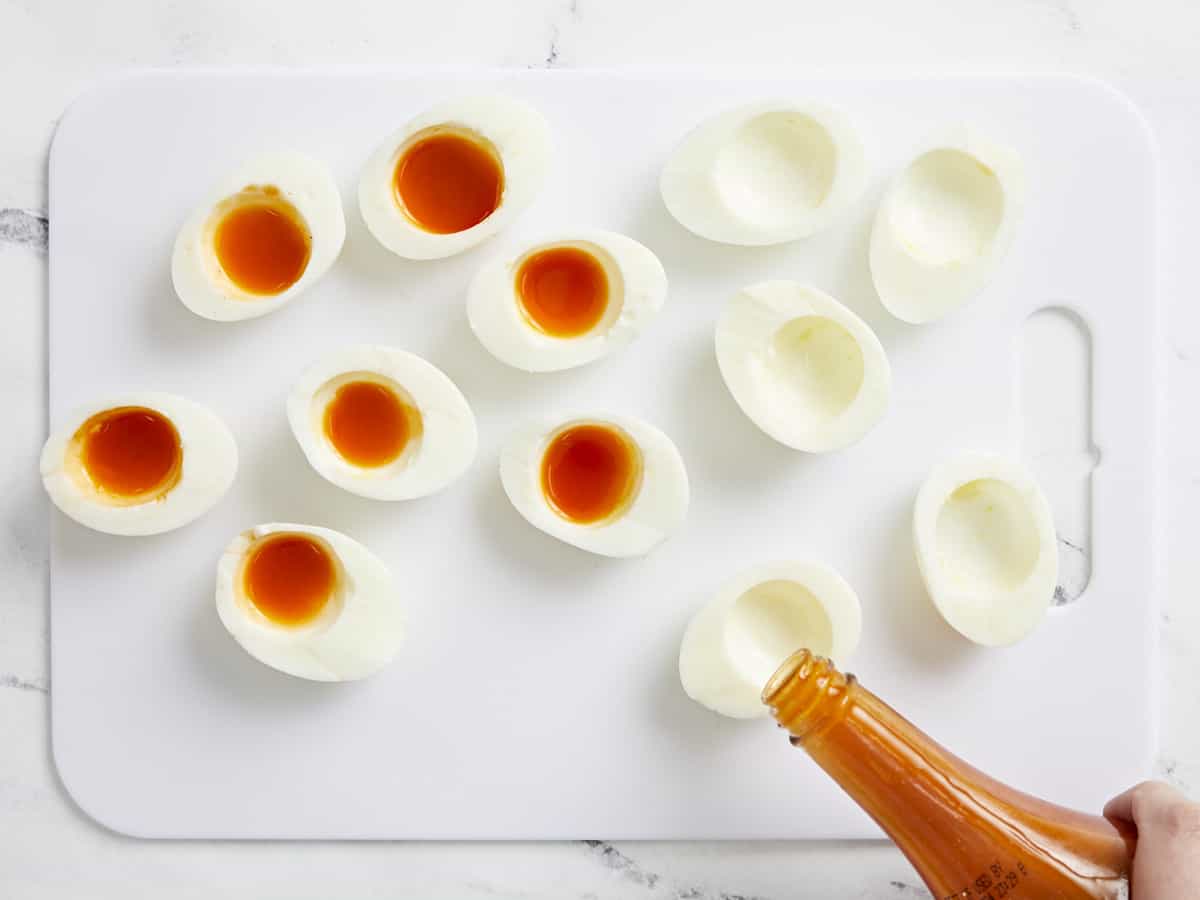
x=784 y=674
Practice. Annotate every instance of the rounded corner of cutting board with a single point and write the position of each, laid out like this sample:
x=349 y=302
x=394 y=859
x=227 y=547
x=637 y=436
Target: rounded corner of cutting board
x=78 y=789
x=1120 y=103
x=90 y=100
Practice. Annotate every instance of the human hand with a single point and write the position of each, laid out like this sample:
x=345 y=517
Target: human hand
x=1166 y=863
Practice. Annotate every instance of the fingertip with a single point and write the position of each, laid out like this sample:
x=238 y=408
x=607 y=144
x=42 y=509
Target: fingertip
x=1125 y=805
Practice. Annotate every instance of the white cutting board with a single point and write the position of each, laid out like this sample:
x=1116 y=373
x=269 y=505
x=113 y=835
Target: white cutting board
x=538 y=695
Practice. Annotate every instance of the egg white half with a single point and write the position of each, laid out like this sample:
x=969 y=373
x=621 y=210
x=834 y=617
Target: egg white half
x=359 y=631
x=803 y=367
x=986 y=547
x=637 y=285
x=765 y=173
x=308 y=185
x=518 y=134
x=734 y=644
x=945 y=224
x=209 y=464
x=444 y=450
x=655 y=512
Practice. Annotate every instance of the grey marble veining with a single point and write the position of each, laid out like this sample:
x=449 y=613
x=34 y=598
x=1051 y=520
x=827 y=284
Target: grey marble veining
x=632 y=872
x=25 y=228
x=24 y=684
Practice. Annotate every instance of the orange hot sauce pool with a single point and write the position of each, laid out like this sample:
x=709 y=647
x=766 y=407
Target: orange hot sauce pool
x=130 y=452
x=261 y=242
x=563 y=290
x=368 y=425
x=589 y=472
x=289 y=578
x=449 y=181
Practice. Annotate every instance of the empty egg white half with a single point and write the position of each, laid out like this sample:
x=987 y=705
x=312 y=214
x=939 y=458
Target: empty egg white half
x=297 y=190
x=360 y=626
x=734 y=644
x=944 y=225
x=90 y=448
x=507 y=131
x=803 y=367
x=986 y=547
x=652 y=510
x=503 y=300
x=765 y=173
x=441 y=437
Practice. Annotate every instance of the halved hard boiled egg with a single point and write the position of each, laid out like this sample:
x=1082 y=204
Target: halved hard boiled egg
x=735 y=643
x=139 y=463
x=944 y=225
x=564 y=302
x=382 y=423
x=611 y=485
x=266 y=234
x=454 y=175
x=309 y=602
x=765 y=173
x=986 y=547
x=803 y=367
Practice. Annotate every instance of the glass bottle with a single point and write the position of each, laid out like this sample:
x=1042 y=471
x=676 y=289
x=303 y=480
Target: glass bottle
x=967 y=835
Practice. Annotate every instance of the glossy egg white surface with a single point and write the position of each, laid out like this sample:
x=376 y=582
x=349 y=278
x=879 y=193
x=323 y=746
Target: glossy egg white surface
x=766 y=173
x=209 y=462
x=439 y=455
x=637 y=289
x=512 y=129
x=945 y=223
x=308 y=185
x=359 y=631
x=986 y=547
x=755 y=621
x=803 y=367
x=655 y=511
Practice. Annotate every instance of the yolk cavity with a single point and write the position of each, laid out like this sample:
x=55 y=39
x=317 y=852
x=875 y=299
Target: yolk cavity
x=449 y=181
x=130 y=452
x=289 y=578
x=368 y=424
x=590 y=472
x=563 y=291
x=261 y=242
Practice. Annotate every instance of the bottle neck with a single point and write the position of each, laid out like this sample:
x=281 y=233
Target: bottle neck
x=956 y=825
x=807 y=695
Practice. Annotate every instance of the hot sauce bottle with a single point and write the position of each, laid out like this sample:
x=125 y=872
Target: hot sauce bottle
x=967 y=835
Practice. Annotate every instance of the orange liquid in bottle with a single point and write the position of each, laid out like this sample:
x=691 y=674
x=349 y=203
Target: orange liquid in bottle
x=261 y=243
x=131 y=453
x=563 y=290
x=289 y=577
x=967 y=835
x=589 y=472
x=449 y=181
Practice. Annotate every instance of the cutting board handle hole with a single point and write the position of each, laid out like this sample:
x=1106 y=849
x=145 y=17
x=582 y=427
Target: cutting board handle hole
x=1056 y=403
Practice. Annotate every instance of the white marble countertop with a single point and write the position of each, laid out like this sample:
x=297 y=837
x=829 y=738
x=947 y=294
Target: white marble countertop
x=51 y=51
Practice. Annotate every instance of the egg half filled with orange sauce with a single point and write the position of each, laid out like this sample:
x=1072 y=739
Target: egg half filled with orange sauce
x=138 y=463
x=265 y=235
x=310 y=602
x=454 y=175
x=611 y=485
x=559 y=303
x=382 y=423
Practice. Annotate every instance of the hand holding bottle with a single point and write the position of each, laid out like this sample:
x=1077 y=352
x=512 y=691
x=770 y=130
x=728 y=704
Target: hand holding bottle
x=1166 y=864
